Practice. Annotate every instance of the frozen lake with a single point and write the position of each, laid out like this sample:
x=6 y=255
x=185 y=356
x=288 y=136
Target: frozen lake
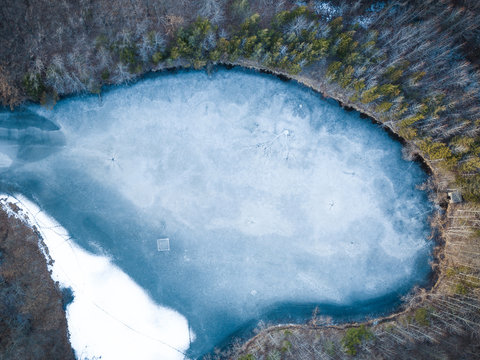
x=274 y=200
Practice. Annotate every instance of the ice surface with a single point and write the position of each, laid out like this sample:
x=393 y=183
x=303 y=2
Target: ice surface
x=111 y=317
x=5 y=160
x=268 y=194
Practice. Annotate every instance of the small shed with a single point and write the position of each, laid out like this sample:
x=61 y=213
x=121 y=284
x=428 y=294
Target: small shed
x=454 y=196
x=163 y=244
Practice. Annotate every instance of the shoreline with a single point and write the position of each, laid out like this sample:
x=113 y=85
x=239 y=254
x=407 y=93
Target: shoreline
x=437 y=179
x=36 y=313
x=438 y=246
x=105 y=299
x=433 y=173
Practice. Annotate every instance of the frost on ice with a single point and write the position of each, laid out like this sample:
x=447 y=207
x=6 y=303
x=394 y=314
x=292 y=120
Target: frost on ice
x=267 y=195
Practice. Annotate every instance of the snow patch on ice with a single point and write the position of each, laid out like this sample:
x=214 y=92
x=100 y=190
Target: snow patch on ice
x=111 y=317
x=5 y=160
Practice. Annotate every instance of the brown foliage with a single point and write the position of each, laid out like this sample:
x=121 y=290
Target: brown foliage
x=9 y=93
x=172 y=23
x=32 y=321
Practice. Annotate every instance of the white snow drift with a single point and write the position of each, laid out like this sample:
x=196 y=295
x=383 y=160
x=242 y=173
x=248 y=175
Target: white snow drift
x=111 y=317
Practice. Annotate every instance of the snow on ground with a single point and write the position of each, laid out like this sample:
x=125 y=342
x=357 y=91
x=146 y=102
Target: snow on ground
x=111 y=317
x=330 y=11
x=326 y=9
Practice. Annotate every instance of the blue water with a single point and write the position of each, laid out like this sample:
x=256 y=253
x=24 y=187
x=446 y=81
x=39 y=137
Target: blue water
x=275 y=200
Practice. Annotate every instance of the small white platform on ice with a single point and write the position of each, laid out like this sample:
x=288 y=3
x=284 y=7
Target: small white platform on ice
x=163 y=244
